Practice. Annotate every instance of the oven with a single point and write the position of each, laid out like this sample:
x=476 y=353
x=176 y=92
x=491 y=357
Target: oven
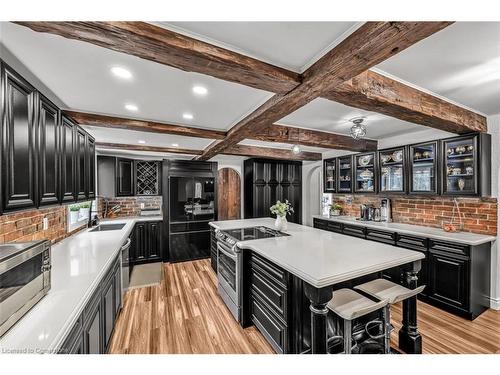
x=229 y=277
x=24 y=279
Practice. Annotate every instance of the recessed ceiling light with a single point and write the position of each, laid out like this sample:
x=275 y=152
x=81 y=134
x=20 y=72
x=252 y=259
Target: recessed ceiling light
x=200 y=90
x=141 y=141
x=121 y=72
x=131 y=107
x=175 y=145
x=187 y=116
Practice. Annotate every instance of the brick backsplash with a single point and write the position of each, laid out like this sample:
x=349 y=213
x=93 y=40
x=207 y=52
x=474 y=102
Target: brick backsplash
x=27 y=225
x=130 y=206
x=479 y=215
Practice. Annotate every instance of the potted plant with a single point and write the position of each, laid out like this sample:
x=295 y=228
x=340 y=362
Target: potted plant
x=84 y=210
x=74 y=212
x=281 y=209
x=335 y=209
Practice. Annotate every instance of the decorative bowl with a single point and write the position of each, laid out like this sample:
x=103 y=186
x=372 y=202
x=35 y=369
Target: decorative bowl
x=427 y=154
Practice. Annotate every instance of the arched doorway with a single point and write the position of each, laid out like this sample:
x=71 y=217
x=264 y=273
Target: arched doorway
x=229 y=194
x=312 y=187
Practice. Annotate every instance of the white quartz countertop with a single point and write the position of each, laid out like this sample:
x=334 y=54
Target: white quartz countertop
x=472 y=239
x=79 y=263
x=319 y=257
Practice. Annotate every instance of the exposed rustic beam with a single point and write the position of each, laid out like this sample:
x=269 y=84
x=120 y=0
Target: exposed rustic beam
x=240 y=150
x=369 y=45
x=129 y=147
x=314 y=138
x=377 y=93
x=113 y=122
x=271 y=153
x=166 y=47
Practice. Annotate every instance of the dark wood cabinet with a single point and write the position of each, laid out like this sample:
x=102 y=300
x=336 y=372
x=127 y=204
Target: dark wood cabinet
x=365 y=173
x=213 y=250
x=392 y=176
x=18 y=141
x=68 y=160
x=146 y=244
x=93 y=326
x=81 y=163
x=47 y=151
x=267 y=181
x=108 y=308
x=124 y=177
x=90 y=166
x=424 y=168
x=344 y=174
x=330 y=175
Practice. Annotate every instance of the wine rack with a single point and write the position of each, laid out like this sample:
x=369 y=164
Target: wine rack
x=147 y=178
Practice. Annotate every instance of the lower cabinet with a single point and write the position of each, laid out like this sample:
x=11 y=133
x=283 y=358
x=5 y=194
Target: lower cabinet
x=146 y=244
x=213 y=250
x=92 y=332
x=456 y=276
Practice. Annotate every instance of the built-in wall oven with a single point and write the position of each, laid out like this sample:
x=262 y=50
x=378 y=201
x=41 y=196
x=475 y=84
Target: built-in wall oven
x=229 y=263
x=24 y=279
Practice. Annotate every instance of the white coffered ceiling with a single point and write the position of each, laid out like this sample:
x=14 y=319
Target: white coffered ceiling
x=461 y=63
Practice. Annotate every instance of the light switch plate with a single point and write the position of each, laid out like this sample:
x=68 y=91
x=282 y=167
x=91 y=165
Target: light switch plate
x=45 y=223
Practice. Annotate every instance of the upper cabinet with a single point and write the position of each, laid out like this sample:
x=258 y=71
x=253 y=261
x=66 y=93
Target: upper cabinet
x=424 y=171
x=124 y=177
x=459 y=166
x=18 y=141
x=330 y=175
x=392 y=175
x=42 y=153
x=365 y=173
x=467 y=165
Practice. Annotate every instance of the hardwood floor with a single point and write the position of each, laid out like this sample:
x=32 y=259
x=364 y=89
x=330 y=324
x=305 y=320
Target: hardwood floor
x=184 y=314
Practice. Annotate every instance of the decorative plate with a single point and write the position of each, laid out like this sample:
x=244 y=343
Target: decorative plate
x=397 y=155
x=364 y=160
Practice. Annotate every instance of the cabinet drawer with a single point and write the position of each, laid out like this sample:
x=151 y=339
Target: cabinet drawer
x=320 y=224
x=271 y=292
x=189 y=227
x=273 y=330
x=269 y=270
x=334 y=227
x=411 y=242
x=380 y=236
x=354 y=230
x=450 y=247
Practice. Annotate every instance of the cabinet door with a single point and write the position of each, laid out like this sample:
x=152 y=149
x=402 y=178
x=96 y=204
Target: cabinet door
x=74 y=343
x=18 y=143
x=424 y=172
x=329 y=175
x=392 y=173
x=140 y=242
x=108 y=303
x=460 y=165
x=93 y=337
x=47 y=140
x=90 y=164
x=365 y=173
x=154 y=241
x=262 y=200
x=118 y=290
x=68 y=160
x=81 y=162
x=448 y=275
x=124 y=177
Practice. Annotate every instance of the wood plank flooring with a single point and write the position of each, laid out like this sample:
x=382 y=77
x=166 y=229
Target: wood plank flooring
x=184 y=314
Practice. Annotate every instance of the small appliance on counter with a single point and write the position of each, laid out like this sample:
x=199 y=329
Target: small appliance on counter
x=367 y=212
x=24 y=279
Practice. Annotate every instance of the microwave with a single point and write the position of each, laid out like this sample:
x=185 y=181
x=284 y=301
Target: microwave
x=24 y=279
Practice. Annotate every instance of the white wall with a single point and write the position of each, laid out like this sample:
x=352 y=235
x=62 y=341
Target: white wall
x=311 y=190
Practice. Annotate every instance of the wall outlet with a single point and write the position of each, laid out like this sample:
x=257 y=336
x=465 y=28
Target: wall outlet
x=142 y=205
x=45 y=223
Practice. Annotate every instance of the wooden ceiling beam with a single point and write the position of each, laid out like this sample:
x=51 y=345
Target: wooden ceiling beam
x=314 y=138
x=155 y=43
x=369 y=45
x=374 y=92
x=112 y=122
x=144 y=148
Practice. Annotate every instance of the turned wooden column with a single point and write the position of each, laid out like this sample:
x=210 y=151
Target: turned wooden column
x=319 y=298
x=410 y=340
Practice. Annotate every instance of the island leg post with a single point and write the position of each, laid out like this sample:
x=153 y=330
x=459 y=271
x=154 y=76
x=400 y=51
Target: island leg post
x=319 y=298
x=410 y=340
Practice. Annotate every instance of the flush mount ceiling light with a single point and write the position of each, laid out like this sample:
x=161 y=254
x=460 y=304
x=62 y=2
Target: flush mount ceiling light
x=120 y=72
x=141 y=141
x=187 y=116
x=175 y=145
x=296 y=149
x=131 y=107
x=358 y=130
x=200 y=90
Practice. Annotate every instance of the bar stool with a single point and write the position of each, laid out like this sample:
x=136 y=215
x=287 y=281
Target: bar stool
x=349 y=305
x=386 y=290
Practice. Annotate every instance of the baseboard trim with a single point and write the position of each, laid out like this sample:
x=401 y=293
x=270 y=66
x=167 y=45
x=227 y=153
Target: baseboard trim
x=495 y=303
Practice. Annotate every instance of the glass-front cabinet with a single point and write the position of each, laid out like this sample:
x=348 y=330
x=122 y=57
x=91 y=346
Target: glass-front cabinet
x=365 y=173
x=424 y=168
x=329 y=175
x=344 y=180
x=392 y=170
x=460 y=166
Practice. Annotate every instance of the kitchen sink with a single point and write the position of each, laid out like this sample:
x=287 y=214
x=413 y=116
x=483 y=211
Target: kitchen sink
x=106 y=227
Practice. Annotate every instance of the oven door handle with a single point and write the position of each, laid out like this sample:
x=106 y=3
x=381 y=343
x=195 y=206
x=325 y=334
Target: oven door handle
x=225 y=252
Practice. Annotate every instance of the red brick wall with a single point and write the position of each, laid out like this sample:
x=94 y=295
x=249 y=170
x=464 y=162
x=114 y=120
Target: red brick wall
x=479 y=215
x=28 y=225
x=130 y=206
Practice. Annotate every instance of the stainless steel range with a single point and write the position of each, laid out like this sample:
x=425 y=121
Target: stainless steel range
x=229 y=262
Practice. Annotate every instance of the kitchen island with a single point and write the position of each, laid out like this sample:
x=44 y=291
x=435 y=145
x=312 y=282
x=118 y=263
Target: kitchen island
x=323 y=261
